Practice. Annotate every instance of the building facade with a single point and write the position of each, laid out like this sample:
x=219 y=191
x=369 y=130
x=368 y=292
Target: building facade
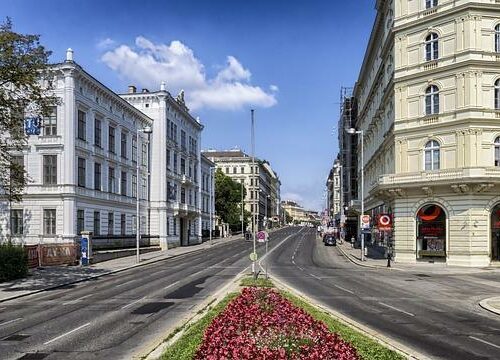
x=176 y=176
x=207 y=196
x=428 y=105
x=261 y=182
x=298 y=214
x=82 y=166
x=333 y=186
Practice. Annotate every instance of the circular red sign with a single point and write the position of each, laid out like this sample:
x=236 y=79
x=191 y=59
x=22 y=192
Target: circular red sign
x=385 y=220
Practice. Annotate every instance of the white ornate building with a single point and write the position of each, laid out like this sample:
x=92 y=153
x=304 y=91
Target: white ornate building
x=428 y=103
x=83 y=166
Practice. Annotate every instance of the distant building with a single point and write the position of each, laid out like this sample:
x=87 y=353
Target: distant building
x=298 y=213
x=207 y=195
x=262 y=183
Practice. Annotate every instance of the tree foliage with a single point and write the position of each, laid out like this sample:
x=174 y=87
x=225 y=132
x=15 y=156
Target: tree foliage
x=24 y=91
x=228 y=200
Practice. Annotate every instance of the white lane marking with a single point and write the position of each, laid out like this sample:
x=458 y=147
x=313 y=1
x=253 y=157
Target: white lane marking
x=132 y=303
x=395 y=308
x=485 y=342
x=10 y=321
x=314 y=276
x=293 y=262
x=76 y=300
x=125 y=283
x=66 y=334
x=301 y=269
x=169 y=286
x=344 y=289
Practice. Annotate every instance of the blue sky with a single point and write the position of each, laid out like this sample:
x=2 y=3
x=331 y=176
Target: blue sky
x=287 y=59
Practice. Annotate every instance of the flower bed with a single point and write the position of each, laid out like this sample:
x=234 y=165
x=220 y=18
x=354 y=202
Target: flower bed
x=261 y=324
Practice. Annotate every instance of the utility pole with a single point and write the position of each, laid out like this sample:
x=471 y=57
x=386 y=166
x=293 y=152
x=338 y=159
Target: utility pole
x=212 y=202
x=242 y=209
x=253 y=210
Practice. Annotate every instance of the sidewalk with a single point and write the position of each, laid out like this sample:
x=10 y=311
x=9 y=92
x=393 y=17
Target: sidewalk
x=58 y=276
x=375 y=261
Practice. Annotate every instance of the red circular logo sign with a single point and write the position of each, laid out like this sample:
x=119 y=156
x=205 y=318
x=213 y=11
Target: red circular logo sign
x=384 y=220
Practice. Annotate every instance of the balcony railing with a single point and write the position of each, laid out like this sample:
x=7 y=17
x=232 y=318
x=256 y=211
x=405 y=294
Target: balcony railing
x=461 y=174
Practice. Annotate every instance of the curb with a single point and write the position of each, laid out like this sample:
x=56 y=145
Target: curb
x=485 y=305
x=365 y=330
x=359 y=263
x=92 y=277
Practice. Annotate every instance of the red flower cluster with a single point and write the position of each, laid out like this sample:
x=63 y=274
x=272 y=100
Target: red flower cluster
x=262 y=325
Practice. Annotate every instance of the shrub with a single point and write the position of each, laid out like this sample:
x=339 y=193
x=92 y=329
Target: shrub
x=13 y=262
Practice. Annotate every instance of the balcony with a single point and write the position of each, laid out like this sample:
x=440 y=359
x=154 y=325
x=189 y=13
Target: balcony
x=186 y=180
x=461 y=180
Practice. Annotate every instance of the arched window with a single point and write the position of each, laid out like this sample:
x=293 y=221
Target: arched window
x=432 y=100
x=497 y=94
x=431 y=3
x=431 y=155
x=431 y=47
x=497 y=151
x=497 y=38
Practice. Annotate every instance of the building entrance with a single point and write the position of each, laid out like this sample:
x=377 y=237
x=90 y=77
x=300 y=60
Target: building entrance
x=495 y=233
x=431 y=232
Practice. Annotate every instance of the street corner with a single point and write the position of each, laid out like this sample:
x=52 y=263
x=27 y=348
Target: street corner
x=491 y=304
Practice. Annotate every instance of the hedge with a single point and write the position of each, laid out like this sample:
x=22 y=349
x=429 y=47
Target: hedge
x=13 y=262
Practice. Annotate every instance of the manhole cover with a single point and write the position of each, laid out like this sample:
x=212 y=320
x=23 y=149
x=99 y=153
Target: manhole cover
x=16 y=337
x=152 y=307
x=33 y=356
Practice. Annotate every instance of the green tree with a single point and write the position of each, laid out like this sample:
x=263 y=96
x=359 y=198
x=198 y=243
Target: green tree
x=228 y=200
x=24 y=91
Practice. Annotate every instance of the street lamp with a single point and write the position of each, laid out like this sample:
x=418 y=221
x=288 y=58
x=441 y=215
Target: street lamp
x=353 y=131
x=212 y=196
x=145 y=130
x=242 y=210
x=254 y=256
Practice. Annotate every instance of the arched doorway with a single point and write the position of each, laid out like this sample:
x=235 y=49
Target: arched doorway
x=495 y=233
x=431 y=232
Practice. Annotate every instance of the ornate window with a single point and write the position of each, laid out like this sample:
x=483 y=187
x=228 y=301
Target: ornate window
x=497 y=151
x=431 y=3
x=431 y=155
x=431 y=47
x=497 y=38
x=497 y=94
x=432 y=100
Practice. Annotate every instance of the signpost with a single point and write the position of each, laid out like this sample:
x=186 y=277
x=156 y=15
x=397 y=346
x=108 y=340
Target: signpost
x=384 y=222
x=263 y=237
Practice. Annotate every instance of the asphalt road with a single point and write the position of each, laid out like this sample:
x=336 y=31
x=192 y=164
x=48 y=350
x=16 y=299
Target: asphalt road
x=437 y=315
x=115 y=316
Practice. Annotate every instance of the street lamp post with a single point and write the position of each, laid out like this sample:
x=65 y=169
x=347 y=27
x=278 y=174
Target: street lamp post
x=253 y=211
x=145 y=130
x=212 y=178
x=242 y=209
x=339 y=166
x=353 y=131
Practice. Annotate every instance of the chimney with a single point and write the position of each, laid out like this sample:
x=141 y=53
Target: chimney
x=132 y=89
x=69 y=54
x=162 y=86
x=144 y=90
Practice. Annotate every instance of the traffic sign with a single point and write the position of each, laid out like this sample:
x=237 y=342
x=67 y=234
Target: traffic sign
x=253 y=256
x=364 y=221
x=384 y=222
x=261 y=236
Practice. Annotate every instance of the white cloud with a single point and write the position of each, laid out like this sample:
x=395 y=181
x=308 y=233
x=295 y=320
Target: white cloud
x=293 y=197
x=148 y=64
x=105 y=43
x=274 y=88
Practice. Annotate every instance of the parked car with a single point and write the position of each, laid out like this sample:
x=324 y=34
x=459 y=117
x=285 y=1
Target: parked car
x=330 y=239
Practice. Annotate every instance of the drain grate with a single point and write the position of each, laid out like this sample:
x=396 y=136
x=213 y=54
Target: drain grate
x=33 y=356
x=16 y=337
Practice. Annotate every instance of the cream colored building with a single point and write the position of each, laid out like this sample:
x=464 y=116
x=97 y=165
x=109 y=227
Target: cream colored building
x=428 y=105
x=298 y=213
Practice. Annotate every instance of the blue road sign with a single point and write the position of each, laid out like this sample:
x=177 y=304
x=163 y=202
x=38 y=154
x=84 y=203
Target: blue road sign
x=32 y=126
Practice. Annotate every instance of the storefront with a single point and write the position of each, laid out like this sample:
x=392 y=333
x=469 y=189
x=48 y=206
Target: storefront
x=431 y=232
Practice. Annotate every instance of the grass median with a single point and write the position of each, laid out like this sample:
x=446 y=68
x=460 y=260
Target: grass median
x=186 y=346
